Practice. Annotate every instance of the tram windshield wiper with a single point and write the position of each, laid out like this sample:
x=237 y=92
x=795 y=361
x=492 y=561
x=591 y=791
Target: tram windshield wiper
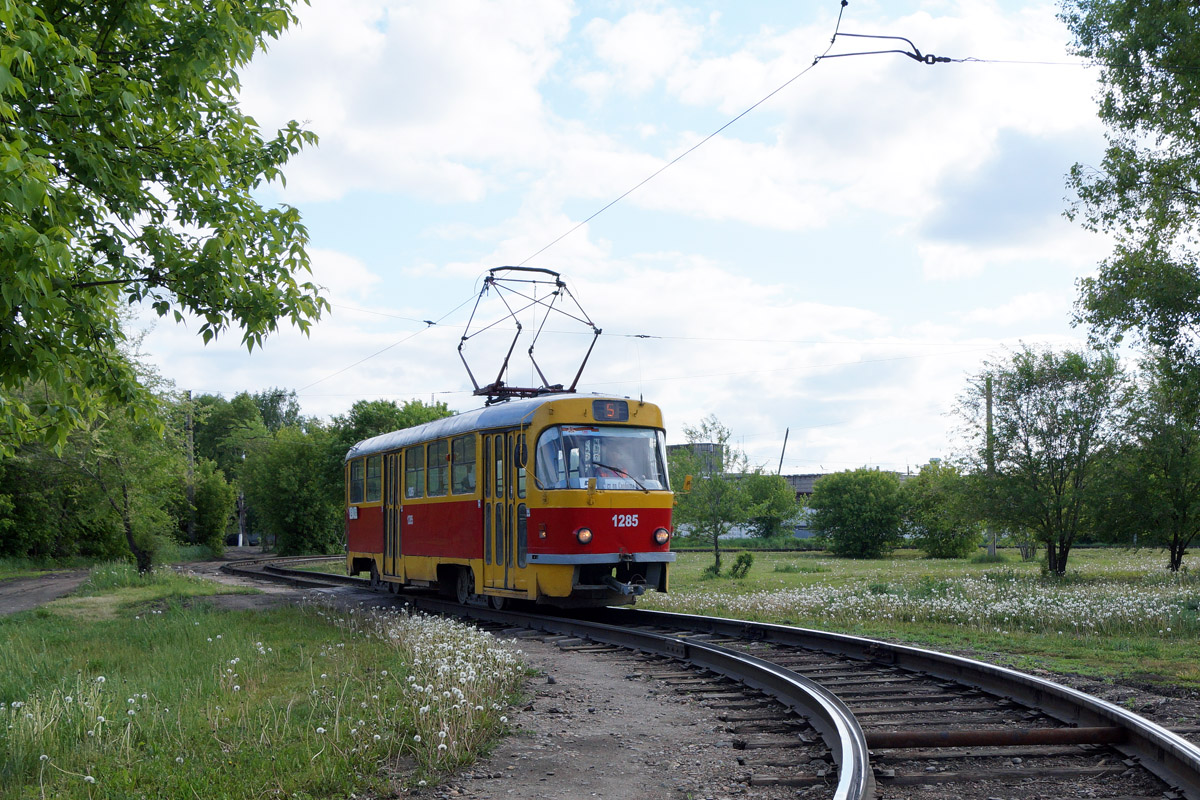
x=622 y=473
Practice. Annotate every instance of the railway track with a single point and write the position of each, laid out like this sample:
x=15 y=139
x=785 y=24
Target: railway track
x=869 y=719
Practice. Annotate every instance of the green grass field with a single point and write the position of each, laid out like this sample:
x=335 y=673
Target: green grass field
x=142 y=686
x=1116 y=614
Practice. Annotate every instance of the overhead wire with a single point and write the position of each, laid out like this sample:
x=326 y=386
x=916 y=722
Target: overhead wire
x=696 y=146
x=428 y=324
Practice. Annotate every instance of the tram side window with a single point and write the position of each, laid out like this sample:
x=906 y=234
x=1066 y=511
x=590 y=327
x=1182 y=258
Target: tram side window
x=462 y=465
x=356 y=481
x=520 y=456
x=549 y=470
x=374 y=478
x=414 y=472
x=438 y=467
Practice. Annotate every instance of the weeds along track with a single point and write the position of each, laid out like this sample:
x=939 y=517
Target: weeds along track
x=847 y=717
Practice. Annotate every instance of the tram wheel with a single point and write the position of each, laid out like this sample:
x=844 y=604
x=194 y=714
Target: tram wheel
x=464 y=586
x=497 y=602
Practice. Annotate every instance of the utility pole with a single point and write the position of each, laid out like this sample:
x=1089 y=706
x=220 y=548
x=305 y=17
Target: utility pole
x=786 y=431
x=991 y=459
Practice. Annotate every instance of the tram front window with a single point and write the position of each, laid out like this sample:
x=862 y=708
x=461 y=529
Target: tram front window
x=567 y=456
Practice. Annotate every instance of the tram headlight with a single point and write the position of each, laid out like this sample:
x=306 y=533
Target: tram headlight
x=661 y=536
x=584 y=535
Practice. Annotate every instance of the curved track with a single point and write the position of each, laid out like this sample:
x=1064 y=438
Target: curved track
x=891 y=715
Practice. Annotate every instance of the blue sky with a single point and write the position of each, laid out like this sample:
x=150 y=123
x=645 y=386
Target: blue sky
x=837 y=262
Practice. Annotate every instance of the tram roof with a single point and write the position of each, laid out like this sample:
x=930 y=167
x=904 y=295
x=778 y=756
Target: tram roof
x=502 y=415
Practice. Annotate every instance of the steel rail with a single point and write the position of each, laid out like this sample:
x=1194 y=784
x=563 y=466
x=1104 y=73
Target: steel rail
x=832 y=719
x=1167 y=755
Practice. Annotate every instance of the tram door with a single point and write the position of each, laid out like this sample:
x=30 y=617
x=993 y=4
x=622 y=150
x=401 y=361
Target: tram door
x=392 y=499
x=517 y=544
x=497 y=512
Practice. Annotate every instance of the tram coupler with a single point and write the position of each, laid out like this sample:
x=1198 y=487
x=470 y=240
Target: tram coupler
x=627 y=589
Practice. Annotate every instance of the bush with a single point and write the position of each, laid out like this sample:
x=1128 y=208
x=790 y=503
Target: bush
x=858 y=511
x=742 y=565
x=934 y=503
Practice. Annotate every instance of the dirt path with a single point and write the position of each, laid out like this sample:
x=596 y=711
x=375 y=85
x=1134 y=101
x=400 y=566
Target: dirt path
x=23 y=594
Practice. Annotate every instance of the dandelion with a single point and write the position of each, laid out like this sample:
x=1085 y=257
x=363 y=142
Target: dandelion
x=88 y=779
x=131 y=712
x=417 y=738
x=68 y=699
x=320 y=730
x=237 y=688
x=99 y=679
x=178 y=759
x=441 y=747
x=43 y=757
x=100 y=719
x=384 y=673
x=504 y=719
x=377 y=737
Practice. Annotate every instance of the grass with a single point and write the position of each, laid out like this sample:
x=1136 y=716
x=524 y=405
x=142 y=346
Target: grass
x=337 y=566
x=162 y=691
x=1116 y=614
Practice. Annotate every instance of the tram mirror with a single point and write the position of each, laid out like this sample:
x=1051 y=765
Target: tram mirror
x=687 y=483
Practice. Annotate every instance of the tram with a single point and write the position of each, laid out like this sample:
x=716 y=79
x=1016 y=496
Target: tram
x=561 y=499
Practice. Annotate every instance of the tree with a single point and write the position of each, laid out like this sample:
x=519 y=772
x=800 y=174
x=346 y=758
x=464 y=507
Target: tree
x=277 y=408
x=859 y=511
x=770 y=503
x=285 y=480
x=216 y=502
x=368 y=418
x=717 y=499
x=129 y=177
x=1153 y=495
x=1146 y=193
x=937 y=514
x=1053 y=417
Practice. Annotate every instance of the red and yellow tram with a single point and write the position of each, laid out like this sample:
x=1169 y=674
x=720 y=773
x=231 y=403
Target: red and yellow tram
x=560 y=499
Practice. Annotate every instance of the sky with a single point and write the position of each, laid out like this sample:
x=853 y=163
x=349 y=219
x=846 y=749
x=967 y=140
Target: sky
x=836 y=264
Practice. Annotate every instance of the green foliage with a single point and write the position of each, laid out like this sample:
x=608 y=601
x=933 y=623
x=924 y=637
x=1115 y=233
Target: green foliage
x=717 y=500
x=770 y=504
x=859 y=511
x=216 y=501
x=936 y=512
x=1053 y=417
x=989 y=558
x=741 y=565
x=130 y=176
x=286 y=481
x=1152 y=494
x=369 y=418
x=1144 y=194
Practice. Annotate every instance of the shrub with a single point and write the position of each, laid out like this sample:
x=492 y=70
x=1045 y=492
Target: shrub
x=742 y=565
x=858 y=511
